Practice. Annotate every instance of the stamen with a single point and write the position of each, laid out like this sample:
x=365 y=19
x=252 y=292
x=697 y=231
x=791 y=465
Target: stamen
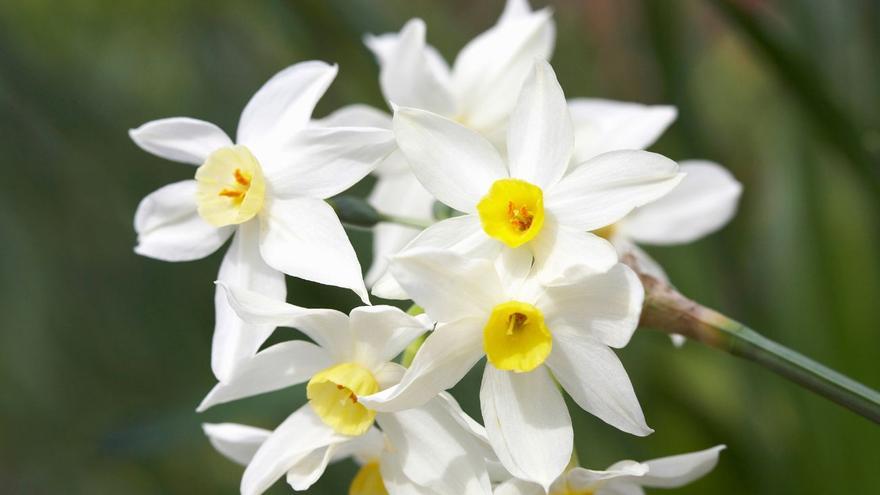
x=231 y=193
x=515 y=322
x=241 y=178
x=519 y=217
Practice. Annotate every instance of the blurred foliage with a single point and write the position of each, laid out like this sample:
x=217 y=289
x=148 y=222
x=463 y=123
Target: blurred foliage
x=104 y=354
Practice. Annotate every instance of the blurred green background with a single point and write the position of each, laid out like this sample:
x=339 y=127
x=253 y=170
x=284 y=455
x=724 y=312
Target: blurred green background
x=104 y=355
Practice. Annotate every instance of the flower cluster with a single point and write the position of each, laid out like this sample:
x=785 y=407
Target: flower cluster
x=543 y=196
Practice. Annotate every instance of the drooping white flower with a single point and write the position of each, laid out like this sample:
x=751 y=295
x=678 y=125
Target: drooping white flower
x=479 y=91
x=529 y=199
x=624 y=477
x=434 y=448
x=530 y=334
x=267 y=189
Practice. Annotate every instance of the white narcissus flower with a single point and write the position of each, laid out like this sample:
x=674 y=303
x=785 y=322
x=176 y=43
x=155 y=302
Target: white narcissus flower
x=430 y=449
x=479 y=91
x=267 y=189
x=528 y=200
x=624 y=477
x=531 y=335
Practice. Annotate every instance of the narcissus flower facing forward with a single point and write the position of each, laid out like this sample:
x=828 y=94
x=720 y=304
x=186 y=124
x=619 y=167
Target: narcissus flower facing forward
x=268 y=189
x=479 y=91
x=530 y=334
x=527 y=200
x=624 y=477
x=434 y=448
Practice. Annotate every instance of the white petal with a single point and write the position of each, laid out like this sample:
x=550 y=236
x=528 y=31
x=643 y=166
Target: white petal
x=395 y=194
x=357 y=115
x=514 y=9
x=435 y=451
x=644 y=263
x=447 y=285
x=540 y=138
x=302 y=475
x=237 y=442
x=409 y=74
x=298 y=436
x=620 y=488
x=448 y=353
x=364 y=448
x=527 y=423
x=604 y=189
x=516 y=486
x=169 y=227
x=329 y=328
x=320 y=162
x=382 y=332
x=603 y=306
x=280 y=366
x=180 y=139
x=703 y=202
x=594 y=377
x=563 y=253
x=454 y=163
x=579 y=478
x=679 y=470
x=601 y=126
x=489 y=71
x=235 y=340
x=304 y=238
x=395 y=481
x=284 y=104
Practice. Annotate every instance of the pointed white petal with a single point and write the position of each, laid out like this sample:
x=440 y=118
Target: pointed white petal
x=454 y=163
x=527 y=423
x=169 y=227
x=620 y=488
x=563 y=253
x=579 y=478
x=280 y=366
x=320 y=162
x=679 y=470
x=604 y=189
x=382 y=332
x=236 y=442
x=329 y=328
x=704 y=202
x=409 y=73
x=447 y=285
x=540 y=138
x=302 y=475
x=284 y=104
x=356 y=115
x=395 y=481
x=514 y=9
x=235 y=340
x=395 y=194
x=489 y=71
x=604 y=306
x=180 y=139
x=601 y=126
x=514 y=267
x=594 y=377
x=434 y=450
x=448 y=353
x=298 y=436
x=304 y=238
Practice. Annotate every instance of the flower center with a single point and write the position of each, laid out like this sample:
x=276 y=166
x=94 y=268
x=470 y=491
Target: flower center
x=515 y=338
x=231 y=188
x=333 y=394
x=512 y=211
x=368 y=481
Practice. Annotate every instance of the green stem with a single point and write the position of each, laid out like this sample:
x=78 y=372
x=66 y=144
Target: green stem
x=669 y=311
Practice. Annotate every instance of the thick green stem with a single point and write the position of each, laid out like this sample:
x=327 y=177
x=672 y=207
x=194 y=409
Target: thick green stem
x=669 y=311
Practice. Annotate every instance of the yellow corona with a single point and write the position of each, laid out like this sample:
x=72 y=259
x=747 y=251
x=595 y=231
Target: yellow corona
x=512 y=211
x=515 y=337
x=231 y=188
x=333 y=394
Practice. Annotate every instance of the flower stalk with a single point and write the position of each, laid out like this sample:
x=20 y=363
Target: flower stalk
x=667 y=310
